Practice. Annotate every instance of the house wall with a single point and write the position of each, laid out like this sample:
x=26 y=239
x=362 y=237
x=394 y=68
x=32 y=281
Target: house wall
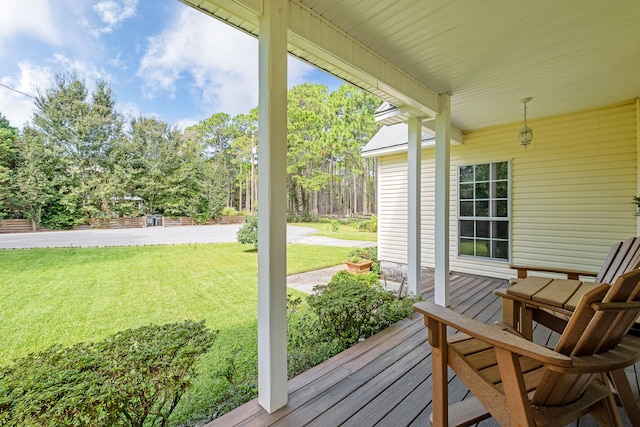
x=571 y=191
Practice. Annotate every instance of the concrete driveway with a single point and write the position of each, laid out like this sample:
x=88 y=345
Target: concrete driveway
x=155 y=236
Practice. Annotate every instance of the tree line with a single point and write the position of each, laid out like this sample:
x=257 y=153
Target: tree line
x=80 y=159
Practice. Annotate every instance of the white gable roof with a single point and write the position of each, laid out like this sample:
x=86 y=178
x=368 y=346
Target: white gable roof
x=393 y=139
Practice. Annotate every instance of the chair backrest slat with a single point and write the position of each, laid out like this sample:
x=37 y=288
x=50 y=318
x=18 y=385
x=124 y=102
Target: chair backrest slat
x=580 y=320
x=591 y=332
x=624 y=256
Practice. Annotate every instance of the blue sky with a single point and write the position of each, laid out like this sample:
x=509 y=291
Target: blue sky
x=161 y=58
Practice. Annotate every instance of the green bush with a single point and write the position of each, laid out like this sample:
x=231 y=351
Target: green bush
x=202 y=218
x=248 y=233
x=306 y=216
x=341 y=313
x=308 y=344
x=348 y=305
x=237 y=388
x=133 y=378
x=56 y=217
x=367 y=224
x=229 y=211
x=373 y=224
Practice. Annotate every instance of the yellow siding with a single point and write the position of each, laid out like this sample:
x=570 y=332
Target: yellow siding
x=571 y=191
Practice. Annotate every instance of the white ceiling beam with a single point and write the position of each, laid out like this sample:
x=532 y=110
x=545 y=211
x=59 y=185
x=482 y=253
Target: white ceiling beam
x=311 y=33
x=428 y=124
x=455 y=135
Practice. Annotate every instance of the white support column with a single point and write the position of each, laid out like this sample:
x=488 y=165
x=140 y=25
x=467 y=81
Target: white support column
x=272 y=212
x=443 y=122
x=414 y=159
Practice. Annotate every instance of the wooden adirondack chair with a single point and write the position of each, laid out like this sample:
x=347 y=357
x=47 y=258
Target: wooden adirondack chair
x=624 y=256
x=521 y=383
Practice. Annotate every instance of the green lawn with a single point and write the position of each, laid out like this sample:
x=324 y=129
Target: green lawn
x=69 y=295
x=344 y=231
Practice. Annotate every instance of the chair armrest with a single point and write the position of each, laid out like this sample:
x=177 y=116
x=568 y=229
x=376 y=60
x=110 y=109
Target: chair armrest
x=625 y=354
x=571 y=274
x=491 y=334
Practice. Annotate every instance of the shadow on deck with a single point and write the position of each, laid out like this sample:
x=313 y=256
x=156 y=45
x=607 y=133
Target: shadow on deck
x=386 y=379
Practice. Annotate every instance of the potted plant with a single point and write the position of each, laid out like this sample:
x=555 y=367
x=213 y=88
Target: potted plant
x=359 y=260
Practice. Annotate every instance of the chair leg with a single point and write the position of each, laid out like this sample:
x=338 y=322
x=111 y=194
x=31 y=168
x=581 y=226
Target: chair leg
x=625 y=394
x=439 y=373
x=606 y=411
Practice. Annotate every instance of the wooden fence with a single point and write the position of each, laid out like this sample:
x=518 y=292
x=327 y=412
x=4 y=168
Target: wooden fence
x=17 y=226
x=118 y=223
x=24 y=225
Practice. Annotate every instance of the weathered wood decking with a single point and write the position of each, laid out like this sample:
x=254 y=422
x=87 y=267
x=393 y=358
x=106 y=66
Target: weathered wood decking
x=386 y=380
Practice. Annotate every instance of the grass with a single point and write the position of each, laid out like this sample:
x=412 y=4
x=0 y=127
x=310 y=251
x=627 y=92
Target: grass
x=71 y=295
x=344 y=231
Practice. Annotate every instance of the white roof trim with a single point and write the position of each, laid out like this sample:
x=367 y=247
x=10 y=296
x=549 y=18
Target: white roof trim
x=388 y=114
x=393 y=139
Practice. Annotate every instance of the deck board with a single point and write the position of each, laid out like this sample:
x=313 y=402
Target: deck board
x=386 y=379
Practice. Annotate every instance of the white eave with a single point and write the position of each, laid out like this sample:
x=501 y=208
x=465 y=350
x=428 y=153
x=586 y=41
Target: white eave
x=391 y=140
x=389 y=115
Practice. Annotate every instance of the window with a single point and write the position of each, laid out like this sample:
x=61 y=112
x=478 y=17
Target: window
x=483 y=210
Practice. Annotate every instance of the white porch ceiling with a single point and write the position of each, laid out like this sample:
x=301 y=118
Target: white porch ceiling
x=568 y=55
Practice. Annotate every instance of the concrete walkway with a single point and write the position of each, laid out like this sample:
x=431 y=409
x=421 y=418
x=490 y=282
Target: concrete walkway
x=305 y=282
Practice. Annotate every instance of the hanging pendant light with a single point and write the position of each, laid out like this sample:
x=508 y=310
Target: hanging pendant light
x=526 y=133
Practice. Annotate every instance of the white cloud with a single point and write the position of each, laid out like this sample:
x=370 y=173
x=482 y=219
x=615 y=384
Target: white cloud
x=112 y=13
x=129 y=110
x=16 y=107
x=297 y=71
x=221 y=63
x=33 y=18
x=84 y=69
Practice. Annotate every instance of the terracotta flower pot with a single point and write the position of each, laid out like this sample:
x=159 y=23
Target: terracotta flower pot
x=359 y=267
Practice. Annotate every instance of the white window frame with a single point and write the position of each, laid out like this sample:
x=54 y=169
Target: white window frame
x=494 y=204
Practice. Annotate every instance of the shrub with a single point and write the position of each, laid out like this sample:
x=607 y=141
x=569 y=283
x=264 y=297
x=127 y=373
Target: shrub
x=373 y=224
x=229 y=211
x=56 y=217
x=133 y=378
x=348 y=309
x=202 y=218
x=306 y=216
x=295 y=216
x=334 y=226
x=347 y=305
x=308 y=344
x=367 y=224
x=248 y=233
x=238 y=388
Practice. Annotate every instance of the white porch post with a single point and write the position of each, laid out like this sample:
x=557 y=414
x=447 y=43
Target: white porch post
x=414 y=159
x=272 y=231
x=443 y=123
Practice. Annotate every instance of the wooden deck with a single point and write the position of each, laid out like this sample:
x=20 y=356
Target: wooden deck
x=386 y=380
